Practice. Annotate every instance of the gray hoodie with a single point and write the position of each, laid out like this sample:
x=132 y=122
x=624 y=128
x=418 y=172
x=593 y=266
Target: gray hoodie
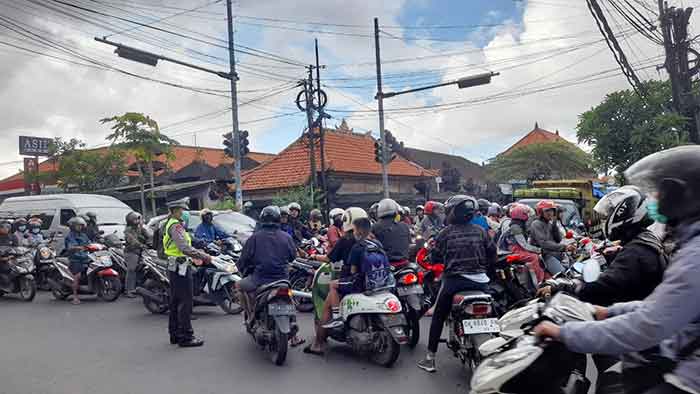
x=670 y=316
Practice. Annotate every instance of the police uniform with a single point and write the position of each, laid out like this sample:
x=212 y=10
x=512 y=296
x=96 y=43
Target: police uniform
x=177 y=245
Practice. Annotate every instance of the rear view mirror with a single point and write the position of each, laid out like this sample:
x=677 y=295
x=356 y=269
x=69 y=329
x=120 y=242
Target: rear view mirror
x=591 y=271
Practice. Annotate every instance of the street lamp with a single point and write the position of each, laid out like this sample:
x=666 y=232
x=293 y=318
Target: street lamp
x=462 y=83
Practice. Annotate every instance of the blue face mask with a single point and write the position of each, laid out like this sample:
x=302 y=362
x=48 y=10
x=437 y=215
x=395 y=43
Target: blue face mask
x=653 y=208
x=22 y=228
x=36 y=230
x=186 y=218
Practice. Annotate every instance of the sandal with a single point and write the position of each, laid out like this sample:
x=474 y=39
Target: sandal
x=75 y=301
x=308 y=350
x=294 y=342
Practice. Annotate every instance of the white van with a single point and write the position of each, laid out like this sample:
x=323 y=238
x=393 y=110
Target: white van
x=56 y=209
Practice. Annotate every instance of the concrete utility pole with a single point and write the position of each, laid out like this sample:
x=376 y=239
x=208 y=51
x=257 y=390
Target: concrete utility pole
x=321 y=135
x=674 y=27
x=380 y=108
x=236 y=135
x=308 y=95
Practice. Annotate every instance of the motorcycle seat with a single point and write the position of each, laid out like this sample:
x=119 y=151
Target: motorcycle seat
x=273 y=285
x=470 y=296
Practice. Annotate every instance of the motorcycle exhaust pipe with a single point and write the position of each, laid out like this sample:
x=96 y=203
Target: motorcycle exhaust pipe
x=151 y=296
x=301 y=294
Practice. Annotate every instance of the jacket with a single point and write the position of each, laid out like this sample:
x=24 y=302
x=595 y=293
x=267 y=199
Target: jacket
x=429 y=225
x=515 y=234
x=267 y=254
x=135 y=239
x=394 y=237
x=670 y=316
x=74 y=240
x=465 y=249
x=92 y=231
x=209 y=232
x=546 y=235
x=335 y=233
x=634 y=273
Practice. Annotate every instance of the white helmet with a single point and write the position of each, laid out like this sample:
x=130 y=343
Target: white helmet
x=387 y=208
x=335 y=212
x=407 y=211
x=351 y=214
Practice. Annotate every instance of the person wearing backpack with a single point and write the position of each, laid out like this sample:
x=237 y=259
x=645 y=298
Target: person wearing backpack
x=468 y=253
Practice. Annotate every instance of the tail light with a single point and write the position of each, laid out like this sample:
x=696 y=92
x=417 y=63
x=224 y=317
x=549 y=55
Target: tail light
x=513 y=258
x=478 y=309
x=393 y=305
x=284 y=292
x=94 y=247
x=409 y=279
x=569 y=234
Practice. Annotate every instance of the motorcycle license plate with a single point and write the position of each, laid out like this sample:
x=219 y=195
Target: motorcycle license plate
x=409 y=290
x=480 y=326
x=281 y=309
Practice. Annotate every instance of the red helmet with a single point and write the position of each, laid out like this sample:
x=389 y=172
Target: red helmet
x=430 y=206
x=544 y=205
x=520 y=212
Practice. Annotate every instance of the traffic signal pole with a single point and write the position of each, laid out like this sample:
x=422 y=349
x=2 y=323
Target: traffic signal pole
x=380 y=104
x=235 y=136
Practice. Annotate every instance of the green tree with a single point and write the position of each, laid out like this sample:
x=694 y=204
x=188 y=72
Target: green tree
x=140 y=135
x=81 y=170
x=624 y=127
x=551 y=160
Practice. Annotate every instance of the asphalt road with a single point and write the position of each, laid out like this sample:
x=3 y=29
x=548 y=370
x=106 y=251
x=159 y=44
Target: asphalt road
x=53 y=347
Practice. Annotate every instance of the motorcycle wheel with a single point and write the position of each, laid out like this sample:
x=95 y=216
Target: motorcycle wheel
x=279 y=348
x=110 y=289
x=27 y=289
x=231 y=304
x=152 y=306
x=413 y=328
x=388 y=351
x=59 y=295
x=302 y=304
x=475 y=357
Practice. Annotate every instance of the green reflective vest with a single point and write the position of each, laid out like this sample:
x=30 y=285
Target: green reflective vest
x=170 y=248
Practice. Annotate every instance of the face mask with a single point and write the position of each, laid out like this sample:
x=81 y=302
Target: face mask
x=36 y=230
x=22 y=228
x=653 y=208
x=186 y=218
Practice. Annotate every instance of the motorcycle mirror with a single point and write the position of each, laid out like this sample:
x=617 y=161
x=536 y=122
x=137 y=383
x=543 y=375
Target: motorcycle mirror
x=591 y=271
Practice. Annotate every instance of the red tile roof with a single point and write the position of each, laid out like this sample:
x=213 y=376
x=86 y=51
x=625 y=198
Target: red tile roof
x=536 y=136
x=345 y=151
x=183 y=156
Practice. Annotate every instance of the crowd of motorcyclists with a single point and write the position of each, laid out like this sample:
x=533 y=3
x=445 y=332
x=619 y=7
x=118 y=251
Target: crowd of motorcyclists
x=645 y=298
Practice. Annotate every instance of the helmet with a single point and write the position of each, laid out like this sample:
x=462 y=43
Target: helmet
x=315 y=215
x=133 y=218
x=387 y=208
x=206 y=213
x=494 y=210
x=484 y=205
x=420 y=208
x=544 y=205
x=20 y=222
x=625 y=212
x=335 y=212
x=35 y=222
x=76 y=221
x=351 y=214
x=270 y=214
x=6 y=225
x=407 y=211
x=247 y=205
x=520 y=212
x=294 y=205
x=673 y=174
x=470 y=204
x=373 y=209
x=91 y=215
x=284 y=210
x=431 y=206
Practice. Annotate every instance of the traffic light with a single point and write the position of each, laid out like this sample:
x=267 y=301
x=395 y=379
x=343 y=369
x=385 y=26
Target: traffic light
x=378 y=152
x=228 y=144
x=392 y=145
x=244 y=143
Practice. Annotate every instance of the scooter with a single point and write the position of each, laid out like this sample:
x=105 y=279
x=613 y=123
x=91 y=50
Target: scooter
x=17 y=275
x=372 y=322
x=409 y=289
x=301 y=274
x=512 y=282
x=44 y=256
x=100 y=277
x=274 y=318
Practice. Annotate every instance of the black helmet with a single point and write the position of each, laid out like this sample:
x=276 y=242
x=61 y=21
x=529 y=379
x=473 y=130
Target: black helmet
x=316 y=215
x=672 y=175
x=270 y=214
x=625 y=213
x=468 y=205
x=133 y=218
x=484 y=205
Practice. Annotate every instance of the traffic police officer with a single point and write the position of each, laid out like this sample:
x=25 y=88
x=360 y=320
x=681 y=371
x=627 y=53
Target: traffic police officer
x=177 y=245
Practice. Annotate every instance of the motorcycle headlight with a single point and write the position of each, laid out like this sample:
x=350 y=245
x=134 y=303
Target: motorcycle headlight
x=497 y=370
x=231 y=268
x=45 y=253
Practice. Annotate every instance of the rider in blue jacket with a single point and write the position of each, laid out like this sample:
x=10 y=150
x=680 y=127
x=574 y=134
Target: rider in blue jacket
x=207 y=231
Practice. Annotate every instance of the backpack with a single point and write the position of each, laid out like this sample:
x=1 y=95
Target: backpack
x=158 y=235
x=375 y=268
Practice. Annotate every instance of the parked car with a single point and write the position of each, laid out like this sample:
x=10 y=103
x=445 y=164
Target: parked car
x=233 y=223
x=56 y=209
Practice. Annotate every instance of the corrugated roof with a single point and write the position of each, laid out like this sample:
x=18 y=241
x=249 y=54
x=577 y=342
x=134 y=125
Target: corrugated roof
x=345 y=152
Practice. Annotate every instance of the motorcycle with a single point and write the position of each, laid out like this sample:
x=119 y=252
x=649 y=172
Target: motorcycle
x=409 y=289
x=431 y=274
x=372 y=322
x=512 y=282
x=214 y=284
x=17 y=275
x=301 y=275
x=229 y=247
x=524 y=364
x=44 y=256
x=274 y=319
x=100 y=277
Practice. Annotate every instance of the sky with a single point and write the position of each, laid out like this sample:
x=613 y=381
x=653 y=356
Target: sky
x=56 y=80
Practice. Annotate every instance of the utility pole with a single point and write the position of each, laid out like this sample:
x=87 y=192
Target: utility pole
x=236 y=135
x=308 y=94
x=321 y=134
x=380 y=104
x=674 y=27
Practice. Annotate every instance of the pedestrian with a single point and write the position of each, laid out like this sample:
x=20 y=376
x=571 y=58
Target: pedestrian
x=177 y=246
x=136 y=240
